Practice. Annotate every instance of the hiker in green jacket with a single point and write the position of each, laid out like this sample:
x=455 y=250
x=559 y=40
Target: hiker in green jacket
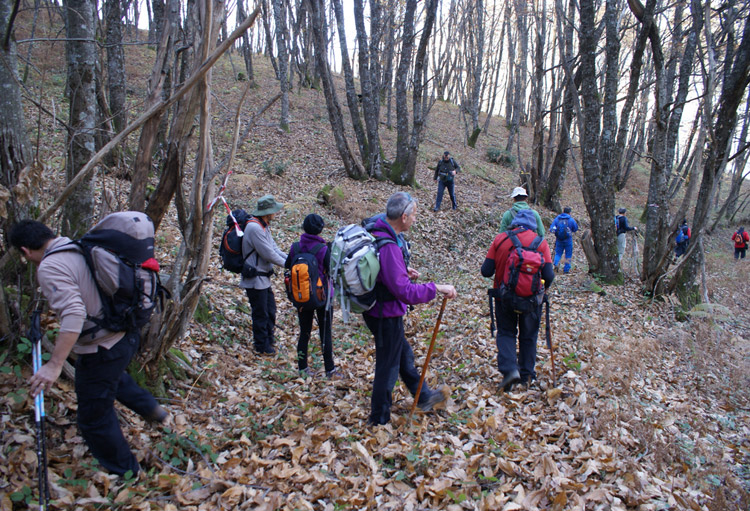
x=519 y=197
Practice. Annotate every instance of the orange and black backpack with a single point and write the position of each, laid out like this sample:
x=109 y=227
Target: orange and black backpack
x=303 y=282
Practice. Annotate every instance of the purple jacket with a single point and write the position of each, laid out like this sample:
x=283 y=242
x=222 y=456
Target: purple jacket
x=306 y=243
x=394 y=277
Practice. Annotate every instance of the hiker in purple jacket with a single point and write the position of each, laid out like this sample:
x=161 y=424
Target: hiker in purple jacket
x=395 y=290
x=309 y=243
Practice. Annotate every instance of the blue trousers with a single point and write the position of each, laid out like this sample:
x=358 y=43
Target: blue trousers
x=526 y=327
x=441 y=188
x=393 y=357
x=101 y=378
x=324 y=328
x=566 y=247
x=263 y=307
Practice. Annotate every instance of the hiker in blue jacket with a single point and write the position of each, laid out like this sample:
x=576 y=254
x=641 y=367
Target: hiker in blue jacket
x=563 y=226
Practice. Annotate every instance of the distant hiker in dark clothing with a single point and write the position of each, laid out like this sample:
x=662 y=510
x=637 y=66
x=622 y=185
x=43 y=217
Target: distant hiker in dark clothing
x=622 y=229
x=444 y=173
x=311 y=242
x=511 y=321
x=563 y=227
x=682 y=240
x=519 y=197
x=740 y=238
x=395 y=289
x=101 y=375
x=261 y=253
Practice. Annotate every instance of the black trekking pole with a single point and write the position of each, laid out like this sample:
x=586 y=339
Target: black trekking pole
x=35 y=336
x=549 y=342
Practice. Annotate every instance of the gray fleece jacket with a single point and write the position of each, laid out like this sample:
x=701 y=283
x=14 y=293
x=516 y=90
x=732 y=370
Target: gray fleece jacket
x=261 y=252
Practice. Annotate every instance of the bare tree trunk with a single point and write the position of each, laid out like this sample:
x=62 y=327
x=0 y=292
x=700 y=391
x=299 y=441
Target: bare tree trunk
x=736 y=78
x=247 y=51
x=19 y=180
x=80 y=23
x=116 y=65
x=598 y=191
x=399 y=171
x=269 y=38
x=537 y=144
x=353 y=168
x=370 y=97
x=194 y=252
x=420 y=107
x=352 y=99
x=553 y=185
x=476 y=71
x=282 y=34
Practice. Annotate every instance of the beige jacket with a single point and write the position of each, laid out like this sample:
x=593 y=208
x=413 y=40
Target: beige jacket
x=71 y=292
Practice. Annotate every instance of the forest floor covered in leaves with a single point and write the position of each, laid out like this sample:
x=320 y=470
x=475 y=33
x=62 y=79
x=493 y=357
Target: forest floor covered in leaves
x=648 y=412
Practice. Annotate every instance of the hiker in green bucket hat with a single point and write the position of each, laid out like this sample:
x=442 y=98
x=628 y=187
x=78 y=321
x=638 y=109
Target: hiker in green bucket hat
x=261 y=253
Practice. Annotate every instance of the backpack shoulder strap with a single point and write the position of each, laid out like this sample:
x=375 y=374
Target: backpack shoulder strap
x=73 y=245
x=535 y=244
x=513 y=237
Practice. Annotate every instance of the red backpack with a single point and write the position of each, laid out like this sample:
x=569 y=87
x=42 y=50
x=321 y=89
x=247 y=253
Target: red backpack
x=523 y=269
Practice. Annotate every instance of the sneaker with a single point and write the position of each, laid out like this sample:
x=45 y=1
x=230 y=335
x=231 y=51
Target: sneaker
x=158 y=414
x=509 y=380
x=436 y=397
x=334 y=374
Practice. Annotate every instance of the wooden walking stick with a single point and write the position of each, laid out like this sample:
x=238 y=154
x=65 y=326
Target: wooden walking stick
x=429 y=354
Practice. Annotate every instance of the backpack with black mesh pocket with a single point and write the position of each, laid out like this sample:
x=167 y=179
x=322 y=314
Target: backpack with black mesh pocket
x=303 y=282
x=119 y=252
x=230 y=249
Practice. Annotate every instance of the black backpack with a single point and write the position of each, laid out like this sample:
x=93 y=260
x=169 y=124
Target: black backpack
x=119 y=252
x=303 y=282
x=230 y=249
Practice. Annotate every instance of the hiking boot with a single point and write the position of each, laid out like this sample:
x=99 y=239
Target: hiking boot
x=510 y=379
x=265 y=350
x=306 y=373
x=158 y=414
x=334 y=374
x=436 y=397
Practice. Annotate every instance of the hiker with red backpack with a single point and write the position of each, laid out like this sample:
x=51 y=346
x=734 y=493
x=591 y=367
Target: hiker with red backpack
x=308 y=287
x=395 y=289
x=521 y=263
x=260 y=254
x=740 y=238
x=81 y=306
x=563 y=227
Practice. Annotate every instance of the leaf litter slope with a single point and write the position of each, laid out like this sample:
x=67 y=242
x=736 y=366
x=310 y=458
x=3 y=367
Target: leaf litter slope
x=648 y=413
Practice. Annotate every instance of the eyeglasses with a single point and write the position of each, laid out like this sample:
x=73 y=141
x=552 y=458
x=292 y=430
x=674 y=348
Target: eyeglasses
x=406 y=206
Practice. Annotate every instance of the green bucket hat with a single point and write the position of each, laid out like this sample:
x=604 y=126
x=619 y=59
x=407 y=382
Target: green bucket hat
x=267 y=205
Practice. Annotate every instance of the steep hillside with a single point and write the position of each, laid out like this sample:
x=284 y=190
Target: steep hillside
x=641 y=412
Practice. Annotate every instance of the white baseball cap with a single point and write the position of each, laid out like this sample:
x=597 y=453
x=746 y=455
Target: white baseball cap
x=518 y=190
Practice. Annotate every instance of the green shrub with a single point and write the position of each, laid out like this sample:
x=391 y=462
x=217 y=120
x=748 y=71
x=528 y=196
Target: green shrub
x=500 y=156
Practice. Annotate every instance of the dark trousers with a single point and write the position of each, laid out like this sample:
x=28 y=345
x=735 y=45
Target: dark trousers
x=263 y=306
x=101 y=378
x=324 y=328
x=739 y=253
x=526 y=327
x=441 y=188
x=393 y=356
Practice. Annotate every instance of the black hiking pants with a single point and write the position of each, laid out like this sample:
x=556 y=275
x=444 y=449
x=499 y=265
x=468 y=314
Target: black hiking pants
x=324 y=329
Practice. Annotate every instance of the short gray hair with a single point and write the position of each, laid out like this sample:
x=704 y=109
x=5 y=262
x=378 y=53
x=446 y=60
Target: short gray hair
x=398 y=204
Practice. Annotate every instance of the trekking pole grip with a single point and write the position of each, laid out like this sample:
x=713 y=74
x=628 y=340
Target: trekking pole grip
x=429 y=355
